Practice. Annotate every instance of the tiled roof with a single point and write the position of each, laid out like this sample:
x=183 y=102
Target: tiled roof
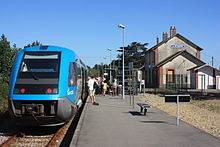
x=180 y=37
x=183 y=53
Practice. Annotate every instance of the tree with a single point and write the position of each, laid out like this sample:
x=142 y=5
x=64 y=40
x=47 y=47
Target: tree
x=7 y=55
x=100 y=69
x=36 y=43
x=135 y=52
x=93 y=72
x=6 y=59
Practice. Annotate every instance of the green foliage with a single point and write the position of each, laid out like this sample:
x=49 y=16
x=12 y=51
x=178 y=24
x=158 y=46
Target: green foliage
x=7 y=55
x=3 y=105
x=93 y=72
x=36 y=43
x=98 y=70
x=135 y=52
x=4 y=87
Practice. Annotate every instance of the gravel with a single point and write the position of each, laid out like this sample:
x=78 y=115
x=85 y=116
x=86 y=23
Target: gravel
x=3 y=138
x=199 y=117
x=7 y=130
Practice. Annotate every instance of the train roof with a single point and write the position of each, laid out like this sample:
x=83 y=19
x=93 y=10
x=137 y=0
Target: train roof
x=47 y=48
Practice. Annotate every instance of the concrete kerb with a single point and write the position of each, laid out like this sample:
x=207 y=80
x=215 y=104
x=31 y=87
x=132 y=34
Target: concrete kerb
x=79 y=126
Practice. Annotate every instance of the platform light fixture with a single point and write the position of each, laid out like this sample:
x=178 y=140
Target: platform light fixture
x=123 y=62
x=110 y=58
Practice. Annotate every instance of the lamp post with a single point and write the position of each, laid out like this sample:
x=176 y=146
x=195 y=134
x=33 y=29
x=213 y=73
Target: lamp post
x=123 y=62
x=110 y=57
x=105 y=64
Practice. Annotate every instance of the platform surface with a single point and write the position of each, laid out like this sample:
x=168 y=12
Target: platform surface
x=114 y=123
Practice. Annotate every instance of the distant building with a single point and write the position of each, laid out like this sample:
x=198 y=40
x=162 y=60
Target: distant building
x=167 y=63
x=205 y=77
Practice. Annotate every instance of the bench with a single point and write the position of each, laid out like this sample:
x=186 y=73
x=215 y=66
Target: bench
x=144 y=107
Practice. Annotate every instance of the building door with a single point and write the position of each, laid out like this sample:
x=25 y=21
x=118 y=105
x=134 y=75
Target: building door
x=218 y=82
x=170 y=79
x=201 y=81
x=170 y=76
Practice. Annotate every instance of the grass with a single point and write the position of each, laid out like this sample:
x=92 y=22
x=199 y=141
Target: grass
x=211 y=105
x=3 y=110
x=3 y=101
x=4 y=88
x=3 y=105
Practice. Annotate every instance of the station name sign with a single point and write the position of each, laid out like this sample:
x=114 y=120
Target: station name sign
x=177 y=98
x=177 y=46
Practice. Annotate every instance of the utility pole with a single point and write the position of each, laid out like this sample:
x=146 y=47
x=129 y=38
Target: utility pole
x=110 y=72
x=123 y=62
x=212 y=61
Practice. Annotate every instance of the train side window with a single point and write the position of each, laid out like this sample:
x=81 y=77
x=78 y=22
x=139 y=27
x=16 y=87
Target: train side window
x=24 y=67
x=72 y=75
x=79 y=72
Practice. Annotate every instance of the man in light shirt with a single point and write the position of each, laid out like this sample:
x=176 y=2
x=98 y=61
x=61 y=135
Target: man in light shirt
x=92 y=90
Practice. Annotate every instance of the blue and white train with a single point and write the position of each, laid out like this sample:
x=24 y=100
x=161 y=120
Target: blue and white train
x=48 y=85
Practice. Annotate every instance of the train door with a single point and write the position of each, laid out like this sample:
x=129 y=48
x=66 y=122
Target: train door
x=79 y=82
x=83 y=84
x=218 y=82
x=72 y=80
x=201 y=81
x=86 y=86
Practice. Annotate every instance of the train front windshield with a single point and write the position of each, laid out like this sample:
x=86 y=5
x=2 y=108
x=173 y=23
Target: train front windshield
x=38 y=73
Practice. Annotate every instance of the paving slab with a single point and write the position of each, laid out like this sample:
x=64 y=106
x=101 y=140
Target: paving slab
x=114 y=123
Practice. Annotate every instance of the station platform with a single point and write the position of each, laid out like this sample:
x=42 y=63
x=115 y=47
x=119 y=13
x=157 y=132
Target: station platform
x=114 y=123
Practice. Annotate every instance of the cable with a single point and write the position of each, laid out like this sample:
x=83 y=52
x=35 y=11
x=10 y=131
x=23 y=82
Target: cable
x=216 y=63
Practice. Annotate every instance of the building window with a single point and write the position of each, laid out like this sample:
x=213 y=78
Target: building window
x=170 y=76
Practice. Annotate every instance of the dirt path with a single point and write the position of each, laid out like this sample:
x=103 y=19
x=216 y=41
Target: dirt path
x=201 y=118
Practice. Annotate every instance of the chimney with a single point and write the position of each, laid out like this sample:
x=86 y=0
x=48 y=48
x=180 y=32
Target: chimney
x=157 y=40
x=172 y=31
x=165 y=36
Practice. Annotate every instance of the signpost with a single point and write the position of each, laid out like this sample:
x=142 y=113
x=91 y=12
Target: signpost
x=130 y=68
x=178 y=99
x=142 y=83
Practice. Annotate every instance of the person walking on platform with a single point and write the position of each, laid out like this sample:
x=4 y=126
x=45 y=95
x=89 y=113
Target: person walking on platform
x=114 y=86
x=98 y=90
x=96 y=86
x=92 y=90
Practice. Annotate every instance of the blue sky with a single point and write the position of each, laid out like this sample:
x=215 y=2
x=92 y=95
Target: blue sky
x=89 y=27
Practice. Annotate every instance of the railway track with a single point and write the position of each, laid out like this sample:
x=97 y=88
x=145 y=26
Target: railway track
x=45 y=136
x=40 y=136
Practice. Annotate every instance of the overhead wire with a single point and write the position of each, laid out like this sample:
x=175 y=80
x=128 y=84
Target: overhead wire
x=216 y=62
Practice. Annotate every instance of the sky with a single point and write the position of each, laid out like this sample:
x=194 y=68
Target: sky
x=89 y=27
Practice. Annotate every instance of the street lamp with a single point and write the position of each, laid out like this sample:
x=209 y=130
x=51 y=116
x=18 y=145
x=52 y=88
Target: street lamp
x=123 y=62
x=105 y=64
x=110 y=51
